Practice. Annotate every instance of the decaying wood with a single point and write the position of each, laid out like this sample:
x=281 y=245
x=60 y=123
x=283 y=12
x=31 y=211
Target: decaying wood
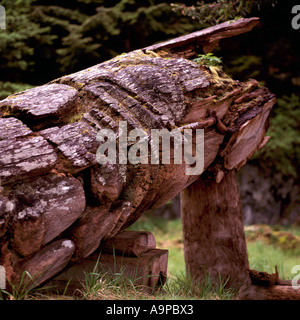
x=276 y=292
x=129 y=243
x=213 y=232
x=52 y=187
x=263 y=278
x=75 y=143
x=45 y=264
x=23 y=154
x=247 y=139
x=48 y=205
x=142 y=263
x=148 y=269
x=207 y=39
x=56 y=103
x=268 y=287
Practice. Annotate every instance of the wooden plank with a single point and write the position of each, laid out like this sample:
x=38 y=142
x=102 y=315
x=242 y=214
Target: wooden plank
x=148 y=271
x=46 y=263
x=208 y=37
x=129 y=243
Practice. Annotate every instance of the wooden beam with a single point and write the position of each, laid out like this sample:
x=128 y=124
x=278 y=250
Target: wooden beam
x=129 y=243
x=207 y=38
x=147 y=271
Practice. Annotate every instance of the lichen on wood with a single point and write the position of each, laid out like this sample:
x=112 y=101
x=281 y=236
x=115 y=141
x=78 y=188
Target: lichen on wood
x=48 y=142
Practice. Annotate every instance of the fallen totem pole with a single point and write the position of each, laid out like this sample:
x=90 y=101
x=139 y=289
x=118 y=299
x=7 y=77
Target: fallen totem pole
x=59 y=206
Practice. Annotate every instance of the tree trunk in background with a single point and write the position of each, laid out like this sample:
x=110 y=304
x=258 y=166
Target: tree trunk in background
x=214 y=240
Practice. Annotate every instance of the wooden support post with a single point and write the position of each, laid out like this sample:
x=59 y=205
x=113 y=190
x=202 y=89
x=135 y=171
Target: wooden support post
x=214 y=240
x=215 y=245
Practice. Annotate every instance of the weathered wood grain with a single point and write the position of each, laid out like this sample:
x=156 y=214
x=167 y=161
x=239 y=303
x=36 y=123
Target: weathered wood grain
x=22 y=154
x=45 y=207
x=213 y=232
x=129 y=243
x=208 y=38
x=88 y=231
x=38 y=106
x=44 y=264
x=12 y=128
x=75 y=144
x=52 y=187
x=148 y=271
x=247 y=139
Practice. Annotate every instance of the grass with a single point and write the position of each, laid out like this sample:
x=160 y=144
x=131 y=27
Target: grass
x=110 y=286
x=168 y=235
x=117 y=286
x=262 y=257
x=23 y=290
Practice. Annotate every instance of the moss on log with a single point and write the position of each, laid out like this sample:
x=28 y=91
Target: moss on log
x=52 y=186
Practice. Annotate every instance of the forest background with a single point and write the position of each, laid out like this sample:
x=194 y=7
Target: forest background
x=46 y=39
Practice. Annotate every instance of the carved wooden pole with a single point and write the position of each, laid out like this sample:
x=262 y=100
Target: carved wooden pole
x=58 y=204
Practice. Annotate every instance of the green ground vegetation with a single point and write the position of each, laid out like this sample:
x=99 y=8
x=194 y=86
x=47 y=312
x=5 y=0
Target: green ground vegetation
x=265 y=250
x=265 y=246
